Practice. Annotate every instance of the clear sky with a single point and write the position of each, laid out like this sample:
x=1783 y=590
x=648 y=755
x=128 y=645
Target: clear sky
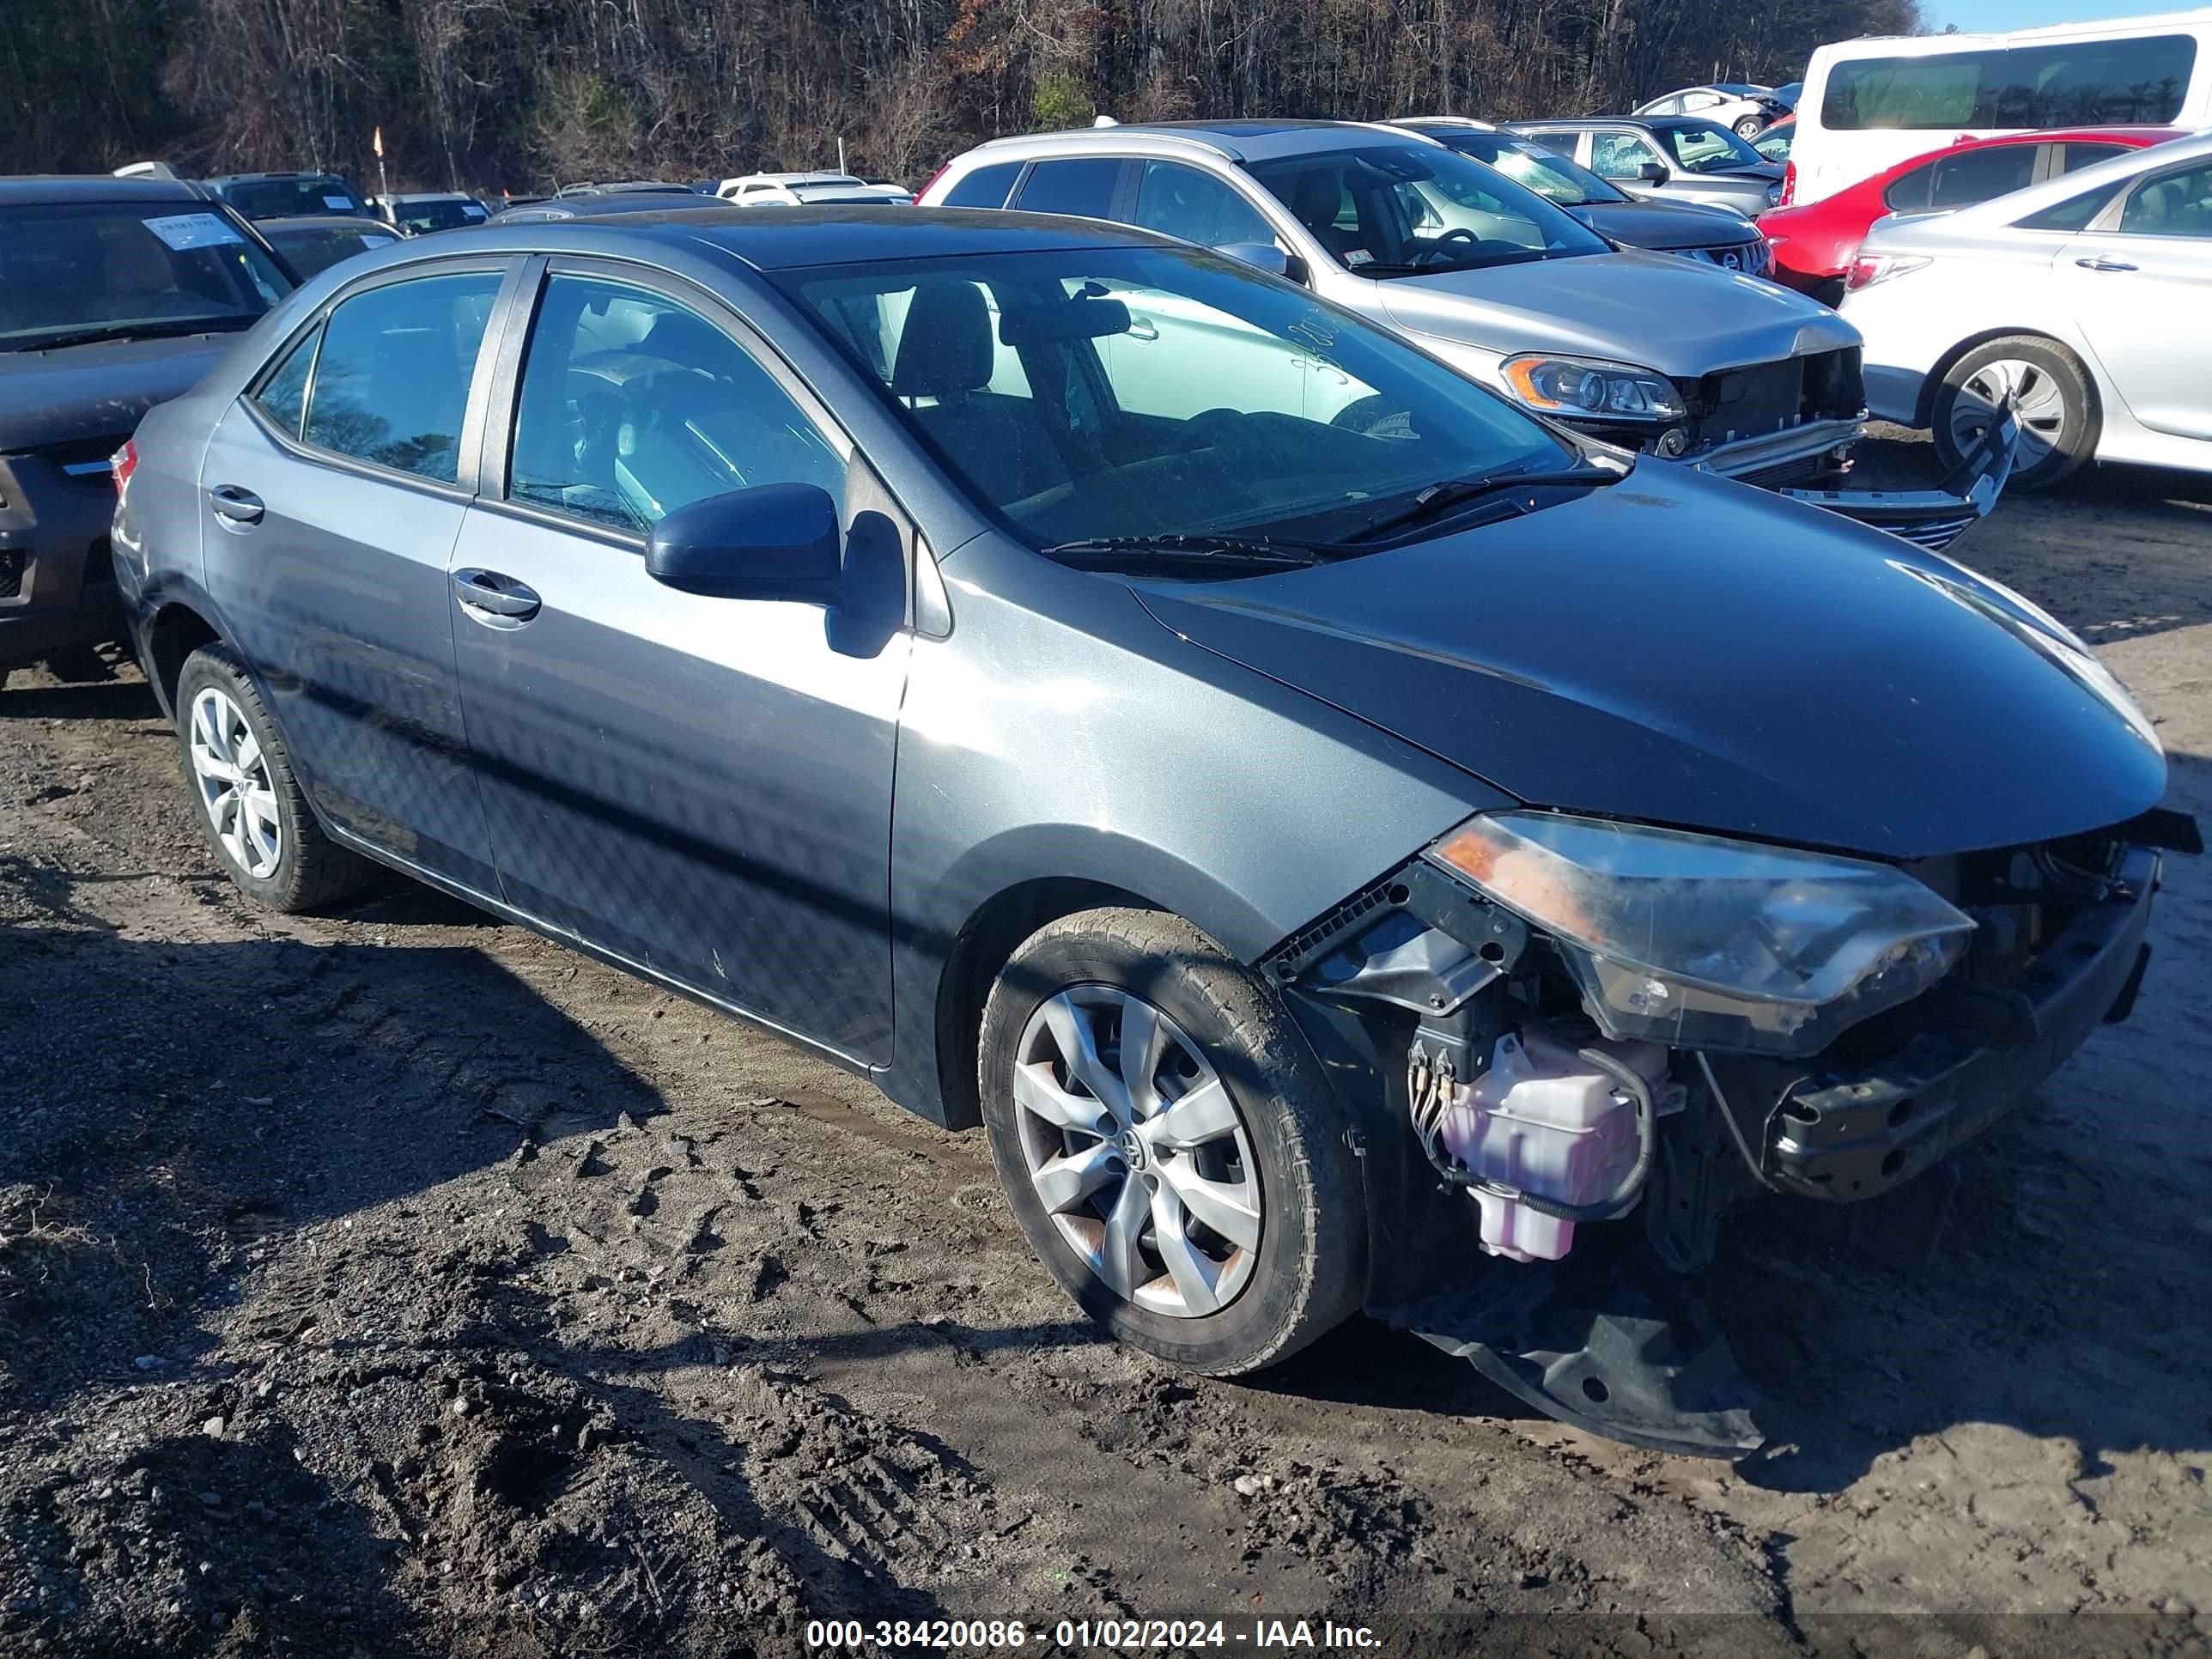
x=1989 y=16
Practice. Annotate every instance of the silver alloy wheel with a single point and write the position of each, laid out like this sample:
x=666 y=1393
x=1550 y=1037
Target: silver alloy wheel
x=1137 y=1151
x=2041 y=407
x=233 y=775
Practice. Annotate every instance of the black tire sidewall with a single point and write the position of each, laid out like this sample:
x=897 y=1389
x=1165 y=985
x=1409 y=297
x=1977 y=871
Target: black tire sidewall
x=2066 y=371
x=283 y=889
x=1310 y=1270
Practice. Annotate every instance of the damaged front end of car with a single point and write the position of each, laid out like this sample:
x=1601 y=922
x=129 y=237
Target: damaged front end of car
x=1582 y=1044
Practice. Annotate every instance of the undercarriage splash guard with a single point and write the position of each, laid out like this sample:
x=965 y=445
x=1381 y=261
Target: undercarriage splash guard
x=1933 y=519
x=1619 y=1348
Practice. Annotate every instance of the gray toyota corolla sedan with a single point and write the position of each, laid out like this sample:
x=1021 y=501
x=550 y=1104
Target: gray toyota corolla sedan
x=1440 y=867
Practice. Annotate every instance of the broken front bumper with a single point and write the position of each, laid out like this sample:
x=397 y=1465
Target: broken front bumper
x=1851 y=1137
x=1932 y=519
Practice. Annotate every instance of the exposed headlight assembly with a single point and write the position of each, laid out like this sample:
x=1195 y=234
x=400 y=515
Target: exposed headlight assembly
x=1705 y=943
x=1578 y=388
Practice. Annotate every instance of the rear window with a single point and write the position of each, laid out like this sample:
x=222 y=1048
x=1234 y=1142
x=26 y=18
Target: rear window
x=986 y=187
x=2077 y=83
x=95 y=270
x=421 y=217
x=288 y=198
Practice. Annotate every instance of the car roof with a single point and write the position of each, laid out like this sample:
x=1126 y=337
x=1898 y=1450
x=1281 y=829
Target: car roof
x=335 y=224
x=1239 y=141
x=2011 y=209
x=32 y=189
x=798 y=236
x=257 y=178
x=426 y=195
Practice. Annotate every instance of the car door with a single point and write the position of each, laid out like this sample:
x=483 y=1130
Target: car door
x=699 y=785
x=335 y=489
x=2141 y=288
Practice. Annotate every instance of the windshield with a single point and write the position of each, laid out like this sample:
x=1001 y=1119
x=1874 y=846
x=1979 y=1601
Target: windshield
x=1553 y=176
x=1417 y=209
x=101 y=271
x=288 y=198
x=1703 y=146
x=418 y=217
x=314 y=248
x=1133 y=392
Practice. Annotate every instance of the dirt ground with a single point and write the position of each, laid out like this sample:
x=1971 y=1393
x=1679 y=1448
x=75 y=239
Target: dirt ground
x=396 y=1282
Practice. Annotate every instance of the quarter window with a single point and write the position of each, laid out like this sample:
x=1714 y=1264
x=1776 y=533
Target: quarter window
x=2073 y=213
x=1182 y=201
x=391 y=382
x=633 y=405
x=1911 y=191
x=2178 y=205
x=283 y=395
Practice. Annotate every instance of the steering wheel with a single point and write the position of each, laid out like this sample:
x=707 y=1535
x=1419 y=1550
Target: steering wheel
x=1215 y=429
x=1463 y=235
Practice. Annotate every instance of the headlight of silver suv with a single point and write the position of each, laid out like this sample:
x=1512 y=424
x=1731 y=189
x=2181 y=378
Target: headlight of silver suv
x=1583 y=388
x=1706 y=942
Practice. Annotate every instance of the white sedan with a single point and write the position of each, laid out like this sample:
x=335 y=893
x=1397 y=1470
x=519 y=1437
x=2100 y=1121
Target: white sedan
x=2085 y=299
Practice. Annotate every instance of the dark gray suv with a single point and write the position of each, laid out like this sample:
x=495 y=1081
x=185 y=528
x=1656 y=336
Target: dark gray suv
x=1441 y=866
x=114 y=294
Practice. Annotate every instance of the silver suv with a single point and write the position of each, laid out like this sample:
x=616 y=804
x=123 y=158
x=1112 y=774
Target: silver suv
x=1654 y=353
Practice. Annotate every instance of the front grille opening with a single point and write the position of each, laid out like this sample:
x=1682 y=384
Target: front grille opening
x=1765 y=398
x=11 y=573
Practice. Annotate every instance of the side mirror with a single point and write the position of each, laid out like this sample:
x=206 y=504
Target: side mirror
x=1654 y=173
x=1265 y=256
x=779 y=541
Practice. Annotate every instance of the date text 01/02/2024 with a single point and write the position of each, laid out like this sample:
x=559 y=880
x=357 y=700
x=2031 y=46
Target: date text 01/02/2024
x=1084 y=1635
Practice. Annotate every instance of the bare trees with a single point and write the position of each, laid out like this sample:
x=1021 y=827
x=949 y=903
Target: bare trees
x=535 y=92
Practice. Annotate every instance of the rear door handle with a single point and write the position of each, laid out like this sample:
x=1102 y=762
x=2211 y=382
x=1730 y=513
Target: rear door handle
x=2100 y=262
x=238 y=505
x=494 y=595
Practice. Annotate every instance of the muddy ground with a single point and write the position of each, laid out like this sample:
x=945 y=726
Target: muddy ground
x=396 y=1282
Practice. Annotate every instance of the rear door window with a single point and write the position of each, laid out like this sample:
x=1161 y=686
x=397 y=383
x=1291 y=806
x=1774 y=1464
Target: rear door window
x=392 y=382
x=1979 y=175
x=986 y=187
x=2172 y=204
x=2087 y=155
x=1084 y=186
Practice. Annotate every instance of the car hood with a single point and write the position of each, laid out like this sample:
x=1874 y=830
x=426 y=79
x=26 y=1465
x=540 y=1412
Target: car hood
x=1685 y=651
x=1663 y=225
x=1681 y=317
x=93 y=391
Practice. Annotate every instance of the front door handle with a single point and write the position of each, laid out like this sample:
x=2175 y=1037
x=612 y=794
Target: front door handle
x=2100 y=262
x=1143 y=328
x=238 y=505
x=495 y=595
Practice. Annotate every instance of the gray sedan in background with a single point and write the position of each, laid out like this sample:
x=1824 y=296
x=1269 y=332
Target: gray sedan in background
x=1663 y=355
x=1680 y=159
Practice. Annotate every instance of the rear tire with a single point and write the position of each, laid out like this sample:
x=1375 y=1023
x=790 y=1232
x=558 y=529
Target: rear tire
x=247 y=796
x=1242 y=1130
x=2059 y=415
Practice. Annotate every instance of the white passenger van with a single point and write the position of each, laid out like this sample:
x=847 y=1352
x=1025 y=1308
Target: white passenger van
x=1868 y=104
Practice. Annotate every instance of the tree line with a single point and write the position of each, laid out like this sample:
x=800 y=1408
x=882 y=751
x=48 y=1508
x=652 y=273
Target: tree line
x=528 y=95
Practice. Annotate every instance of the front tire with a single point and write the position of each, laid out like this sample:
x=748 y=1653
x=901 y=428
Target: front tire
x=2059 y=416
x=1167 y=1144
x=1749 y=126
x=247 y=797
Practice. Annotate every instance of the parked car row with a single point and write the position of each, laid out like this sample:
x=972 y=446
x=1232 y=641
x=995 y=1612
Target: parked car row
x=1052 y=556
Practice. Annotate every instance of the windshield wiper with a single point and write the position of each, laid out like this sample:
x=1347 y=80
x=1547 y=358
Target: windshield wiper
x=1105 y=552
x=152 y=329
x=1442 y=497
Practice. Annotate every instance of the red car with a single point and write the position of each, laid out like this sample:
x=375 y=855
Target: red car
x=1814 y=244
